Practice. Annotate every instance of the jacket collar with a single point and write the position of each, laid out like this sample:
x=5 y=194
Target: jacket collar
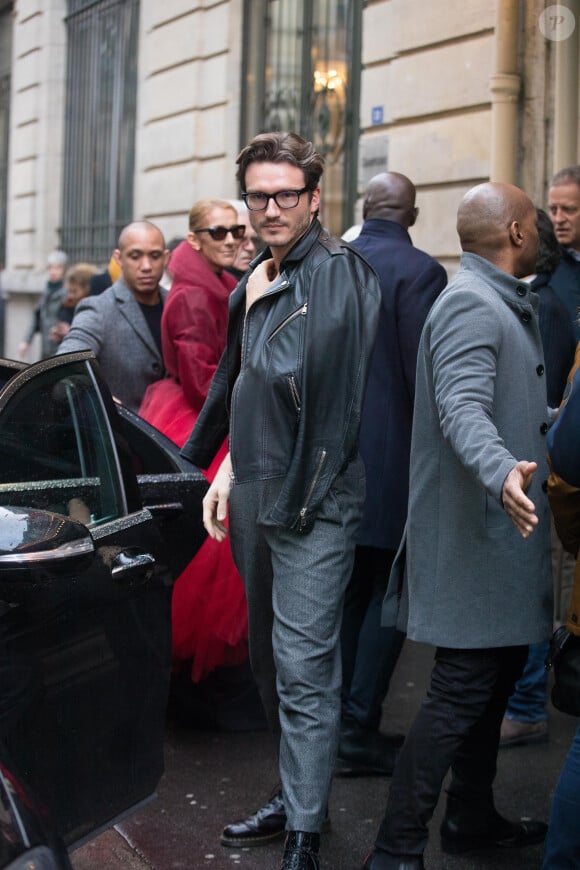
x=517 y=294
x=293 y=258
x=381 y=227
x=298 y=251
x=130 y=309
x=124 y=295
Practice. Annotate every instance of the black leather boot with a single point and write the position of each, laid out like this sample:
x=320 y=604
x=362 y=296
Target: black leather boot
x=266 y=824
x=467 y=827
x=301 y=851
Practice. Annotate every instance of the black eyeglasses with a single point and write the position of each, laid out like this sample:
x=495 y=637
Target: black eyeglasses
x=219 y=233
x=283 y=198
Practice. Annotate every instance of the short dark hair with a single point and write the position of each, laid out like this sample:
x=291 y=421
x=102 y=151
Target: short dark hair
x=282 y=148
x=549 y=253
x=570 y=174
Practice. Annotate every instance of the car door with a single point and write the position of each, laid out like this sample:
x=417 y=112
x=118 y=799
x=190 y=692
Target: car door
x=84 y=603
x=170 y=487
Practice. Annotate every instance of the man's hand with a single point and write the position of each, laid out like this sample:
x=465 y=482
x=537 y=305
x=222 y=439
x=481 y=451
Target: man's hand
x=261 y=278
x=517 y=505
x=215 y=502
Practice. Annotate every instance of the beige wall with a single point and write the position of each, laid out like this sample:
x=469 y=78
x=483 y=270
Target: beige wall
x=187 y=129
x=36 y=132
x=188 y=110
x=35 y=158
x=429 y=65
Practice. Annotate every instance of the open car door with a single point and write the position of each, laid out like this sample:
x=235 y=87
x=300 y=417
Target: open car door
x=85 y=581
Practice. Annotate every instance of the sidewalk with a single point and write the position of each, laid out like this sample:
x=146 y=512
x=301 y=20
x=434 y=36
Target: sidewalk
x=214 y=778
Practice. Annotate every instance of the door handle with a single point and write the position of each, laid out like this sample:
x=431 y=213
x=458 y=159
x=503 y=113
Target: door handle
x=165 y=510
x=133 y=567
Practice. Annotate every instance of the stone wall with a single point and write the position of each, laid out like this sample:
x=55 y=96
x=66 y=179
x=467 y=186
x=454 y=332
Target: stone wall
x=188 y=109
x=427 y=69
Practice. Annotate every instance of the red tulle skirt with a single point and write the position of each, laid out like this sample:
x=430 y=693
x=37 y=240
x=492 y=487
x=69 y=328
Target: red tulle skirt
x=209 y=612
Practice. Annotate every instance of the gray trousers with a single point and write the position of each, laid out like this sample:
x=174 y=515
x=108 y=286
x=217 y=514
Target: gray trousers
x=295 y=585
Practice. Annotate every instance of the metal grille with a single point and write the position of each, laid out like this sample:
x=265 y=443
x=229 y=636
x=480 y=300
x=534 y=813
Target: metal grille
x=101 y=90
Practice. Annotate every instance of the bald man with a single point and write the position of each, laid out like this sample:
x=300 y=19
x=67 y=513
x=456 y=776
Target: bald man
x=410 y=281
x=478 y=582
x=122 y=325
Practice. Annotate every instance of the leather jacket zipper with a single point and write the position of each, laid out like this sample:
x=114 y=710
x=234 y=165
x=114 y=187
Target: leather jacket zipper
x=276 y=289
x=301 y=311
x=294 y=392
x=304 y=508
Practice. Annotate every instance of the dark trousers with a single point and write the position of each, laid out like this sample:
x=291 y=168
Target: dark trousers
x=457 y=727
x=369 y=650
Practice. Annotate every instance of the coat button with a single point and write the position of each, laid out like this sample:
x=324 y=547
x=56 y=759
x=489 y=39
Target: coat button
x=526 y=317
x=540 y=370
x=521 y=291
x=544 y=428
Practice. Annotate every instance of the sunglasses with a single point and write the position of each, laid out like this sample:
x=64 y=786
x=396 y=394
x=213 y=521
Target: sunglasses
x=219 y=233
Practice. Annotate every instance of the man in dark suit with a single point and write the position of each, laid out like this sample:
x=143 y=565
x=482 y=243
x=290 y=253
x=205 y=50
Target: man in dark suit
x=410 y=282
x=564 y=209
x=122 y=325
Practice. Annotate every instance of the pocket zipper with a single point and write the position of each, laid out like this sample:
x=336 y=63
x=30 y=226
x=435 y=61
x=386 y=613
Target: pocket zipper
x=295 y=395
x=303 y=510
x=301 y=311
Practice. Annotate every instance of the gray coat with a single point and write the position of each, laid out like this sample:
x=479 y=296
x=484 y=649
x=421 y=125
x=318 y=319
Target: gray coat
x=112 y=325
x=480 y=406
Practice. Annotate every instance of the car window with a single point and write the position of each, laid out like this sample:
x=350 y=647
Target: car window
x=57 y=447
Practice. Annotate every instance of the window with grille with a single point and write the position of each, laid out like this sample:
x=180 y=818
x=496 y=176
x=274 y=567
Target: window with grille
x=99 y=157
x=301 y=72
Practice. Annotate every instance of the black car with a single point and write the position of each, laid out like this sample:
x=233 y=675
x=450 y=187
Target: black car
x=98 y=515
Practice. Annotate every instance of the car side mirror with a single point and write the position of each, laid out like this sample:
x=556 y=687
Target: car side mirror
x=36 y=542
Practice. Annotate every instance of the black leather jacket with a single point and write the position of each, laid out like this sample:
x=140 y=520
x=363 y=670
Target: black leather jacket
x=290 y=384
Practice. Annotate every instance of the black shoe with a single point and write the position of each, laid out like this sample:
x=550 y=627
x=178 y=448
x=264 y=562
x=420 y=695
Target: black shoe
x=365 y=751
x=301 y=851
x=467 y=831
x=267 y=824
x=384 y=861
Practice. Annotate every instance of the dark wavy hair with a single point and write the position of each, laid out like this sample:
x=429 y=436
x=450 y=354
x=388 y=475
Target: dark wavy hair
x=282 y=148
x=549 y=253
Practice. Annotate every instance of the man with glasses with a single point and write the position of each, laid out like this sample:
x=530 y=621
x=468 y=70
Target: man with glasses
x=289 y=389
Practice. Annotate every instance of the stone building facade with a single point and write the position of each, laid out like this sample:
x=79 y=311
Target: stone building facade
x=114 y=109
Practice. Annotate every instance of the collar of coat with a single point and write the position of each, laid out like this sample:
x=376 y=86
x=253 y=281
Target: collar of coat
x=517 y=294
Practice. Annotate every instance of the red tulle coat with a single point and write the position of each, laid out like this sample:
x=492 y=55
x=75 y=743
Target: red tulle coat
x=209 y=613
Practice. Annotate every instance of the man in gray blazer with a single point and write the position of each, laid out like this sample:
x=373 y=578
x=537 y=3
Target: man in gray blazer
x=478 y=583
x=122 y=326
